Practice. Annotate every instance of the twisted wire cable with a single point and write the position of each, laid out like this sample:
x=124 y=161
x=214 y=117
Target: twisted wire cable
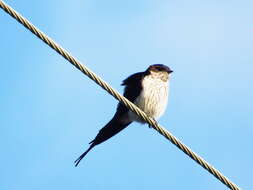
x=118 y=96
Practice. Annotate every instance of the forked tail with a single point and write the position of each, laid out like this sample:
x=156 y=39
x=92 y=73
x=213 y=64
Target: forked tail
x=109 y=130
x=83 y=155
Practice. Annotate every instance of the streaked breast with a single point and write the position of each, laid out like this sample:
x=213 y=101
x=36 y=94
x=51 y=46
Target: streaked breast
x=153 y=98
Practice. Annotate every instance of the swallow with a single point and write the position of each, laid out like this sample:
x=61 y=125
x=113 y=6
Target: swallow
x=148 y=90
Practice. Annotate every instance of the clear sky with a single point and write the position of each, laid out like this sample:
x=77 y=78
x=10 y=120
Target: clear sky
x=50 y=110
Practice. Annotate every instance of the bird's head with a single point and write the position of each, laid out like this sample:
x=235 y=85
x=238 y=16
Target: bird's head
x=159 y=71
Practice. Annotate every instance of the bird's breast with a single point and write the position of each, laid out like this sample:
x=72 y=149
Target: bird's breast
x=152 y=99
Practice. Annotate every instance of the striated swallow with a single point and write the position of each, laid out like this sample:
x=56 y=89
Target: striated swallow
x=148 y=90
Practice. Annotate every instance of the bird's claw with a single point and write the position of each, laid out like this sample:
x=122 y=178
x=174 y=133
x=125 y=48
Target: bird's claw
x=150 y=126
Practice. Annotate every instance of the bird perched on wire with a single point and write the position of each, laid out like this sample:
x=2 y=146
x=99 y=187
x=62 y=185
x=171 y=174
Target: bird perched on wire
x=148 y=90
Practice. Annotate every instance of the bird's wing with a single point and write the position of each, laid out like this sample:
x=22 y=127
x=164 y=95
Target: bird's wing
x=133 y=87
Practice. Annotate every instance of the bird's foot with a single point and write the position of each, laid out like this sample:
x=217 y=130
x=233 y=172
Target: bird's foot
x=150 y=126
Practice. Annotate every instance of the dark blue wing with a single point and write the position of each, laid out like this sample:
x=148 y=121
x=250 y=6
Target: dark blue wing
x=133 y=88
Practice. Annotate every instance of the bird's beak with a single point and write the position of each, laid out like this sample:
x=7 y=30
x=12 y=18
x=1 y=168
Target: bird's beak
x=170 y=71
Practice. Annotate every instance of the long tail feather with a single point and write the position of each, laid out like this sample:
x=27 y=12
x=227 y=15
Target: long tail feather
x=109 y=130
x=83 y=155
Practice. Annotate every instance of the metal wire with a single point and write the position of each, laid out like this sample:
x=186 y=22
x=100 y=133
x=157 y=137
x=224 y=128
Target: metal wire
x=118 y=96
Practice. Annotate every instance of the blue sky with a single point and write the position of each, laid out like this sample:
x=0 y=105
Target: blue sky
x=50 y=111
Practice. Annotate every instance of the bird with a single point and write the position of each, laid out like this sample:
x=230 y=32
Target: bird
x=148 y=90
